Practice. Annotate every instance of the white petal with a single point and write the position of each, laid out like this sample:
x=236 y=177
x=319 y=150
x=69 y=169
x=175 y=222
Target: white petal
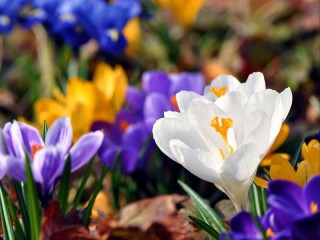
x=242 y=163
x=257 y=131
x=234 y=104
x=200 y=114
x=266 y=100
x=184 y=98
x=286 y=98
x=165 y=130
x=176 y=115
x=237 y=174
x=222 y=81
x=255 y=83
x=201 y=163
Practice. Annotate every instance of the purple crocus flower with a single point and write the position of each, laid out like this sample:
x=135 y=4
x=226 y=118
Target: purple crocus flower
x=2 y=156
x=126 y=136
x=132 y=128
x=293 y=214
x=159 y=91
x=294 y=211
x=243 y=227
x=47 y=157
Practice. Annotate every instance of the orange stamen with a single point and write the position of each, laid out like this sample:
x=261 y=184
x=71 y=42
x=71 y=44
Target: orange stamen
x=270 y=233
x=313 y=207
x=35 y=148
x=221 y=125
x=123 y=125
x=219 y=91
x=174 y=103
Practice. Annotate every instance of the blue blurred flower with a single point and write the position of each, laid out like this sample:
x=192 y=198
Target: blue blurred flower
x=74 y=21
x=9 y=14
x=105 y=21
x=47 y=157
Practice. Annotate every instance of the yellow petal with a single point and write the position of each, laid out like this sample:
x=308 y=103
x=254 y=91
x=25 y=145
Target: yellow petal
x=105 y=80
x=280 y=168
x=313 y=157
x=267 y=160
x=304 y=172
x=59 y=96
x=81 y=120
x=101 y=204
x=80 y=92
x=282 y=136
x=260 y=182
x=304 y=151
x=185 y=11
x=132 y=33
x=120 y=88
x=49 y=110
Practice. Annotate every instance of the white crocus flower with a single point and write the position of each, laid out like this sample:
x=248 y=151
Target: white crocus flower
x=223 y=140
x=222 y=85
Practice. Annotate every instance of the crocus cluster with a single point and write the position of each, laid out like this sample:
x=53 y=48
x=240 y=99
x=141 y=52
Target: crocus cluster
x=222 y=135
x=74 y=21
x=130 y=132
x=47 y=155
x=293 y=213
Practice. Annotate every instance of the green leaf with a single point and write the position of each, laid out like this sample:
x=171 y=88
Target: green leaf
x=5 y=216
x=201 y=224
x=257 y=198
x=13 y=212
x=87 y=213
x=297 y=154
x=213 y=217
x=65 y=186
x=33 y=203
x=19 y=189
x=44 y=130
x=116 y=181
x=85 y=178
x=161 y=31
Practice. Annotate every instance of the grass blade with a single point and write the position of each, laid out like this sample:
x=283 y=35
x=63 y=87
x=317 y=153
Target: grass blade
x=205 y=208
x=44 y=130
x=201 y=224
x=5 y=216
x=85 y=178
x=33 y=203
x=257 y=197
x=23 y=208
x=13 y=212
x=87 y=213
x=65 y=186
x=297 y=154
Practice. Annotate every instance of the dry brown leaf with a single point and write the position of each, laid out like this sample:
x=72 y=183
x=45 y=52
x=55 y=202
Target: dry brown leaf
x=154 y=218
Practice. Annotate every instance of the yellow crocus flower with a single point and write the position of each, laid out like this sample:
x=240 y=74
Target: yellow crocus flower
x=282 y=136
x=185 y=11
x=86 y=102
x=280 y=168
x=132 y=32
